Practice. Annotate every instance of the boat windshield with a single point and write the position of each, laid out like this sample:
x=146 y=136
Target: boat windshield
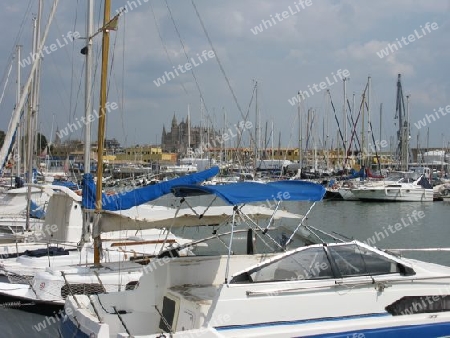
x=323 y=262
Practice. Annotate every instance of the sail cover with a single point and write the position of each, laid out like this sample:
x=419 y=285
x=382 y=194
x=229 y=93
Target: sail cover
x=127 y=200
x=249 y=192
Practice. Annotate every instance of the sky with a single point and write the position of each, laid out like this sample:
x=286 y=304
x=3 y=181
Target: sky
x=283 y=46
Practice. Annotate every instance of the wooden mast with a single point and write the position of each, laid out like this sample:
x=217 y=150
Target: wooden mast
x=101 y=123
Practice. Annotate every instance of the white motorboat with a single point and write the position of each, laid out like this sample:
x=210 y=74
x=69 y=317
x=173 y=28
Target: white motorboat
x=330 y=289
x=399 y=189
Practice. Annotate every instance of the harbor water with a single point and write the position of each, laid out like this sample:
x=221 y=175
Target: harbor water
x=385 y=225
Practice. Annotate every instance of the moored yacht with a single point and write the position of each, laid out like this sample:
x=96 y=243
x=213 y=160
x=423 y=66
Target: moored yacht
x=325 y=287
x=395 y=188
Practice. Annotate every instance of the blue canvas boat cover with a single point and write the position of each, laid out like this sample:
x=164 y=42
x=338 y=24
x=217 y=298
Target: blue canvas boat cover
x=249 y=192
x=67 y=184
x=127 y=200
x=36 y=211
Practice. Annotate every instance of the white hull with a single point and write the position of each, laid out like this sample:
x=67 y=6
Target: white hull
x=204 y=305
x=347 y=194
x=393 y=194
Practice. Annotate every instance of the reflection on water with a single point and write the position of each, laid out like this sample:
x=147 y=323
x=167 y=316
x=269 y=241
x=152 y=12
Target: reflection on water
x=19 y=324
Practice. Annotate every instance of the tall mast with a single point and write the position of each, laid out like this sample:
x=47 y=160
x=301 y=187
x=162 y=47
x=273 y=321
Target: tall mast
x=407 y=134
x=344 y=121
x=381 y=118
x=30 y=118
x=363 y=150
x=189 y=129
x=25 y=91
x=18 y=93
x=352 y=115
x=255 y=155
x=101 y=124
x=299 y=134
x=87 y=51
x=88 y=85
x=402 y=148
x=37 y=81
x=369 y=127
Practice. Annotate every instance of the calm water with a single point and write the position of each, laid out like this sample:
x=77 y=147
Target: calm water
x=353 y=219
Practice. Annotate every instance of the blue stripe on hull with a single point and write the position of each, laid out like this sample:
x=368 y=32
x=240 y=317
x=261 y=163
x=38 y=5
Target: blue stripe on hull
x=69 y=329
x=409 y=331
x=301 y=321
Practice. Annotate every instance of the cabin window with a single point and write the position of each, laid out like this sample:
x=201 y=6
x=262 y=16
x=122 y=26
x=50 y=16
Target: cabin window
x=168 y=314
x=352 y=260
x=132 y=285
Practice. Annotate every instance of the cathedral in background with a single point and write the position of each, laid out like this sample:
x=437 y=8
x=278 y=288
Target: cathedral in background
x=181 y=137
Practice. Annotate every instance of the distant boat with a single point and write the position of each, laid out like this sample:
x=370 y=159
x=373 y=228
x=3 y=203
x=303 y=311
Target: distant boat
x=396 y=188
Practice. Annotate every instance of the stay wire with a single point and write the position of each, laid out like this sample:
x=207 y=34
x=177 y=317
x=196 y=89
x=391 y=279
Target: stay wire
x=220 y=64
x=164 y=45
x=187 y=57
x=18 y=37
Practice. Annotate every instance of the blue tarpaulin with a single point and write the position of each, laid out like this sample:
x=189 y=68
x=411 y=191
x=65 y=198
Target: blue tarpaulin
x=36 y=211
x=67 y=184
x=127 y=200
x=249 y=192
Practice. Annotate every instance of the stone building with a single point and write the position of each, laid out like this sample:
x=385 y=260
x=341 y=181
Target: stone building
x=177 y=139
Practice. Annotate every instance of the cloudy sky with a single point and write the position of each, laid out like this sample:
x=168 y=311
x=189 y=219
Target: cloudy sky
x=254 y=41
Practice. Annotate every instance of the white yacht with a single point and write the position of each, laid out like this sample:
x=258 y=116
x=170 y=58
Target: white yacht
x=334 y=288
x=396 y=188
